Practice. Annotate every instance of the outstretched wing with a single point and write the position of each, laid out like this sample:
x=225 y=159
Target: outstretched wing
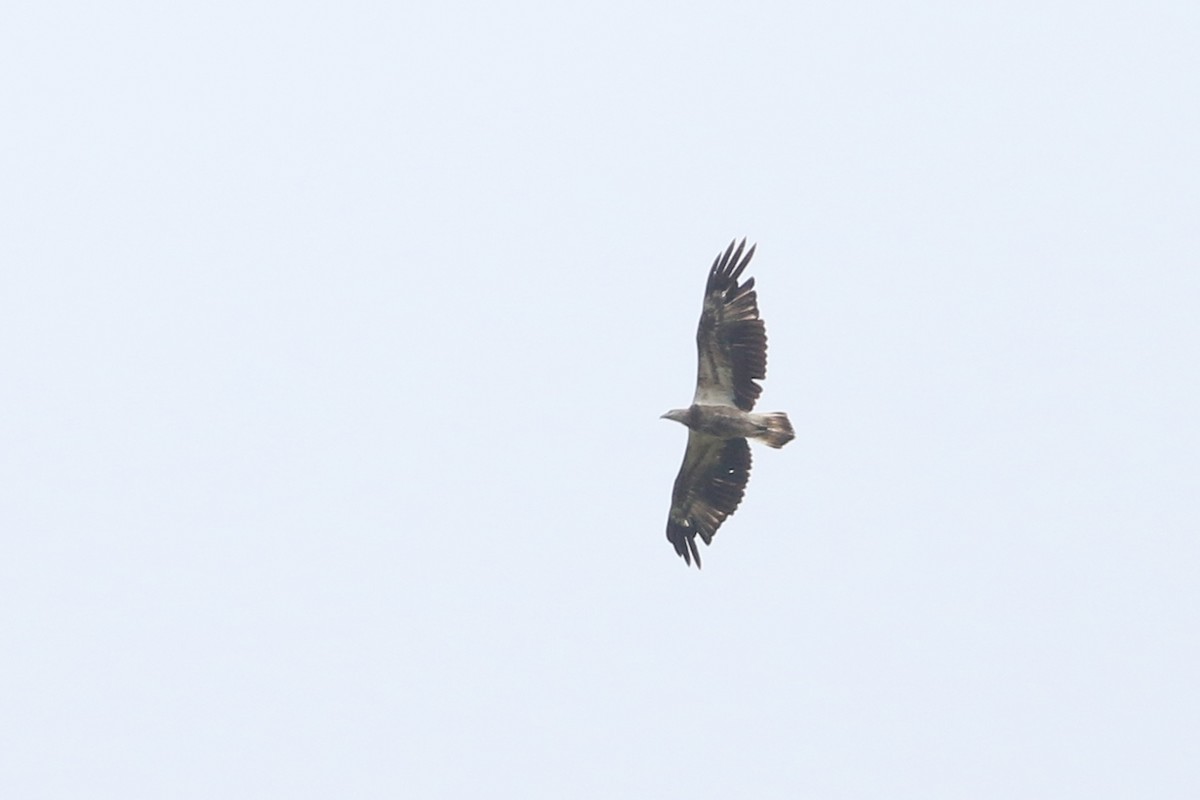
x=709 y=487
x=731 y=339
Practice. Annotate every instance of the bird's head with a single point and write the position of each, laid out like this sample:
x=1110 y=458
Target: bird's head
x=678 y=414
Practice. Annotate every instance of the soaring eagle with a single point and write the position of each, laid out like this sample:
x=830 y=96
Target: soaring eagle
x=733 y=355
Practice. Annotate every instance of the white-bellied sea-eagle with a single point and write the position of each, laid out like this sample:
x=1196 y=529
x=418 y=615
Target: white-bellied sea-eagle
x=732 y=344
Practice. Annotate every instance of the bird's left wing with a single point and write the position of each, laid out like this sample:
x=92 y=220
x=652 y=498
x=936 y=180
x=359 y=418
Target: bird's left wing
x=731 y=339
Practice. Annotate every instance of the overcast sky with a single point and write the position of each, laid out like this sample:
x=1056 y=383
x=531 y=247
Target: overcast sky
x=334 y=340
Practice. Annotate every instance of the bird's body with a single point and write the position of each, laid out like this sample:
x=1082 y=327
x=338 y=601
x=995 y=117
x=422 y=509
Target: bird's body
x=732 y=348
x=728 y=422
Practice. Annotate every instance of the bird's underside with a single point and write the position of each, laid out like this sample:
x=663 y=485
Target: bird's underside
x=732 y=356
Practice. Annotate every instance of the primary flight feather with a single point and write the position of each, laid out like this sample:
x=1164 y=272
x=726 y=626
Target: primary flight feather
x=732 y=345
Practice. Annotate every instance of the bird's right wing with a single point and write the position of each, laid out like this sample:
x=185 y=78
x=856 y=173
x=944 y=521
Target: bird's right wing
x=709 y=487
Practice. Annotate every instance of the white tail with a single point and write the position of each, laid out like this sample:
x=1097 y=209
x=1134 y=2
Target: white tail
x=776 y=429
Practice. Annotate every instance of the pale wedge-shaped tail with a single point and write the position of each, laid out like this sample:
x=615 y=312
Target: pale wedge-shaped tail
x=776 y=429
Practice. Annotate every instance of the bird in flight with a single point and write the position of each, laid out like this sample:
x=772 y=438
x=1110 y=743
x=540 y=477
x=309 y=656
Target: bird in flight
x=732 y=344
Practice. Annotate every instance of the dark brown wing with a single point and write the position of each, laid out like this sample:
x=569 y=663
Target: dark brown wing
x=710 y=485
x=731 y=339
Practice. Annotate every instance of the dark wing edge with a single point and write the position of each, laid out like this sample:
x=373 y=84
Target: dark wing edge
x=709 y=487
x=731 y=339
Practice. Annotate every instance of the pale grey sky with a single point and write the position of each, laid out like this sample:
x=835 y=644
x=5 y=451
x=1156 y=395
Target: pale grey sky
x=334 y=339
